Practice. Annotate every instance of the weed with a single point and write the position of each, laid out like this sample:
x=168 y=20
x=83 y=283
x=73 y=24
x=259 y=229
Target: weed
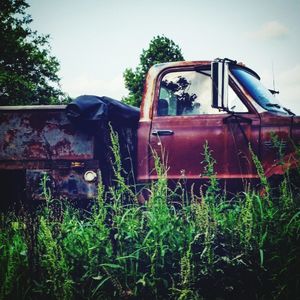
x=212 y=247
x=13 y=259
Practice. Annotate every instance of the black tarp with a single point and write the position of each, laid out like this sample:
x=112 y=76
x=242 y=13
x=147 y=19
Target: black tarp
x=92 y=115
x=90 y=110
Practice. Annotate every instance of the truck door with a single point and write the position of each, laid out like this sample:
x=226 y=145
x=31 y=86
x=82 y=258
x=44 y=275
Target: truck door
x=183 y=121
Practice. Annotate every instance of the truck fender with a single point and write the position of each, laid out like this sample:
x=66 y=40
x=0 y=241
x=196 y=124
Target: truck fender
x=288 y=163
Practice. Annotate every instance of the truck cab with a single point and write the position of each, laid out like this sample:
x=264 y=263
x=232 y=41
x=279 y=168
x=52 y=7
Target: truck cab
x=222 y=103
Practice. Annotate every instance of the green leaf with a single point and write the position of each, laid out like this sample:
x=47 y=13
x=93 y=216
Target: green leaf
x=112 y=266
x=261 y=256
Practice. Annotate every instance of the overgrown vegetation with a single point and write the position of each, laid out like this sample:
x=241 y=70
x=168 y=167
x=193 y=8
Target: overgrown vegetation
x=208 y=247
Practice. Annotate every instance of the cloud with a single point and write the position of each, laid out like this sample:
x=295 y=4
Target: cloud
x=272 y=30
x=292 y=75
x=289 y=85
x=85 y=85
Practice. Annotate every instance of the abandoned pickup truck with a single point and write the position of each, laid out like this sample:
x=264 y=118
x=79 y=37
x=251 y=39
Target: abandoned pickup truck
x=185 y=105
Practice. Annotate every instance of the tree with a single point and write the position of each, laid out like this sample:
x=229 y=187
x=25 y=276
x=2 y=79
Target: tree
x=28 y=73
x=161 y=49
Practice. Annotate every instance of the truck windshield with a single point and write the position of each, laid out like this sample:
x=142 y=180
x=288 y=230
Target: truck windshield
x=257 y=91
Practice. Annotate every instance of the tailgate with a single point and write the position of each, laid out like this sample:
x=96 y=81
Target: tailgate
x=43 y=133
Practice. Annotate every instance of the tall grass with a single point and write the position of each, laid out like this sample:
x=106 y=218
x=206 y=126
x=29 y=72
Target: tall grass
x=212 y=247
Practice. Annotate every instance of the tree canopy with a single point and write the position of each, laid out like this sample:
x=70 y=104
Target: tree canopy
x=28 y=72
x=161 y=49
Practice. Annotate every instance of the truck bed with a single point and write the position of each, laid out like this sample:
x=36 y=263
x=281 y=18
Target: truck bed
x=40 y=140
x=64 y=143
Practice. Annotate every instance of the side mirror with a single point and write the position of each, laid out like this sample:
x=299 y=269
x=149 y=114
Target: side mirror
x=220 y=80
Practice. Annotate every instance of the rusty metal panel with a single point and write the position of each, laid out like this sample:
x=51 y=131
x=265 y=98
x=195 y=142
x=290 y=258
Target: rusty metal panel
x=68 y=184
x=44 y=134
x=275 y=127
x=296 y=130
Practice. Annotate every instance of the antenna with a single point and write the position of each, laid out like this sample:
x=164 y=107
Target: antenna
x=273 y=76
x=273 y=91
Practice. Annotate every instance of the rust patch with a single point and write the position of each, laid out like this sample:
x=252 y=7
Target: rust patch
x=62 y=148
x=68 y=184
x=8 y=138
x=28 y=135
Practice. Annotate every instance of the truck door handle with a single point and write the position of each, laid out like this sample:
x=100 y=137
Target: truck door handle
x=162 y=132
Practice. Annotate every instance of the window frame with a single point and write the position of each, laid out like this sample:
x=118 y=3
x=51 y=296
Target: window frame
x=199 y=69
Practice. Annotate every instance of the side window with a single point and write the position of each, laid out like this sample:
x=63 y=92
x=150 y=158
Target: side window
x=190 y=93
x=185 y=93
x=234 y=102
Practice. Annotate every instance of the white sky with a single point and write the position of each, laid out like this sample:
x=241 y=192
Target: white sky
x=96 y=40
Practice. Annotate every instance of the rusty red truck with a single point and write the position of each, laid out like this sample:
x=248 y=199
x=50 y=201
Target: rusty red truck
x=185 y=105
